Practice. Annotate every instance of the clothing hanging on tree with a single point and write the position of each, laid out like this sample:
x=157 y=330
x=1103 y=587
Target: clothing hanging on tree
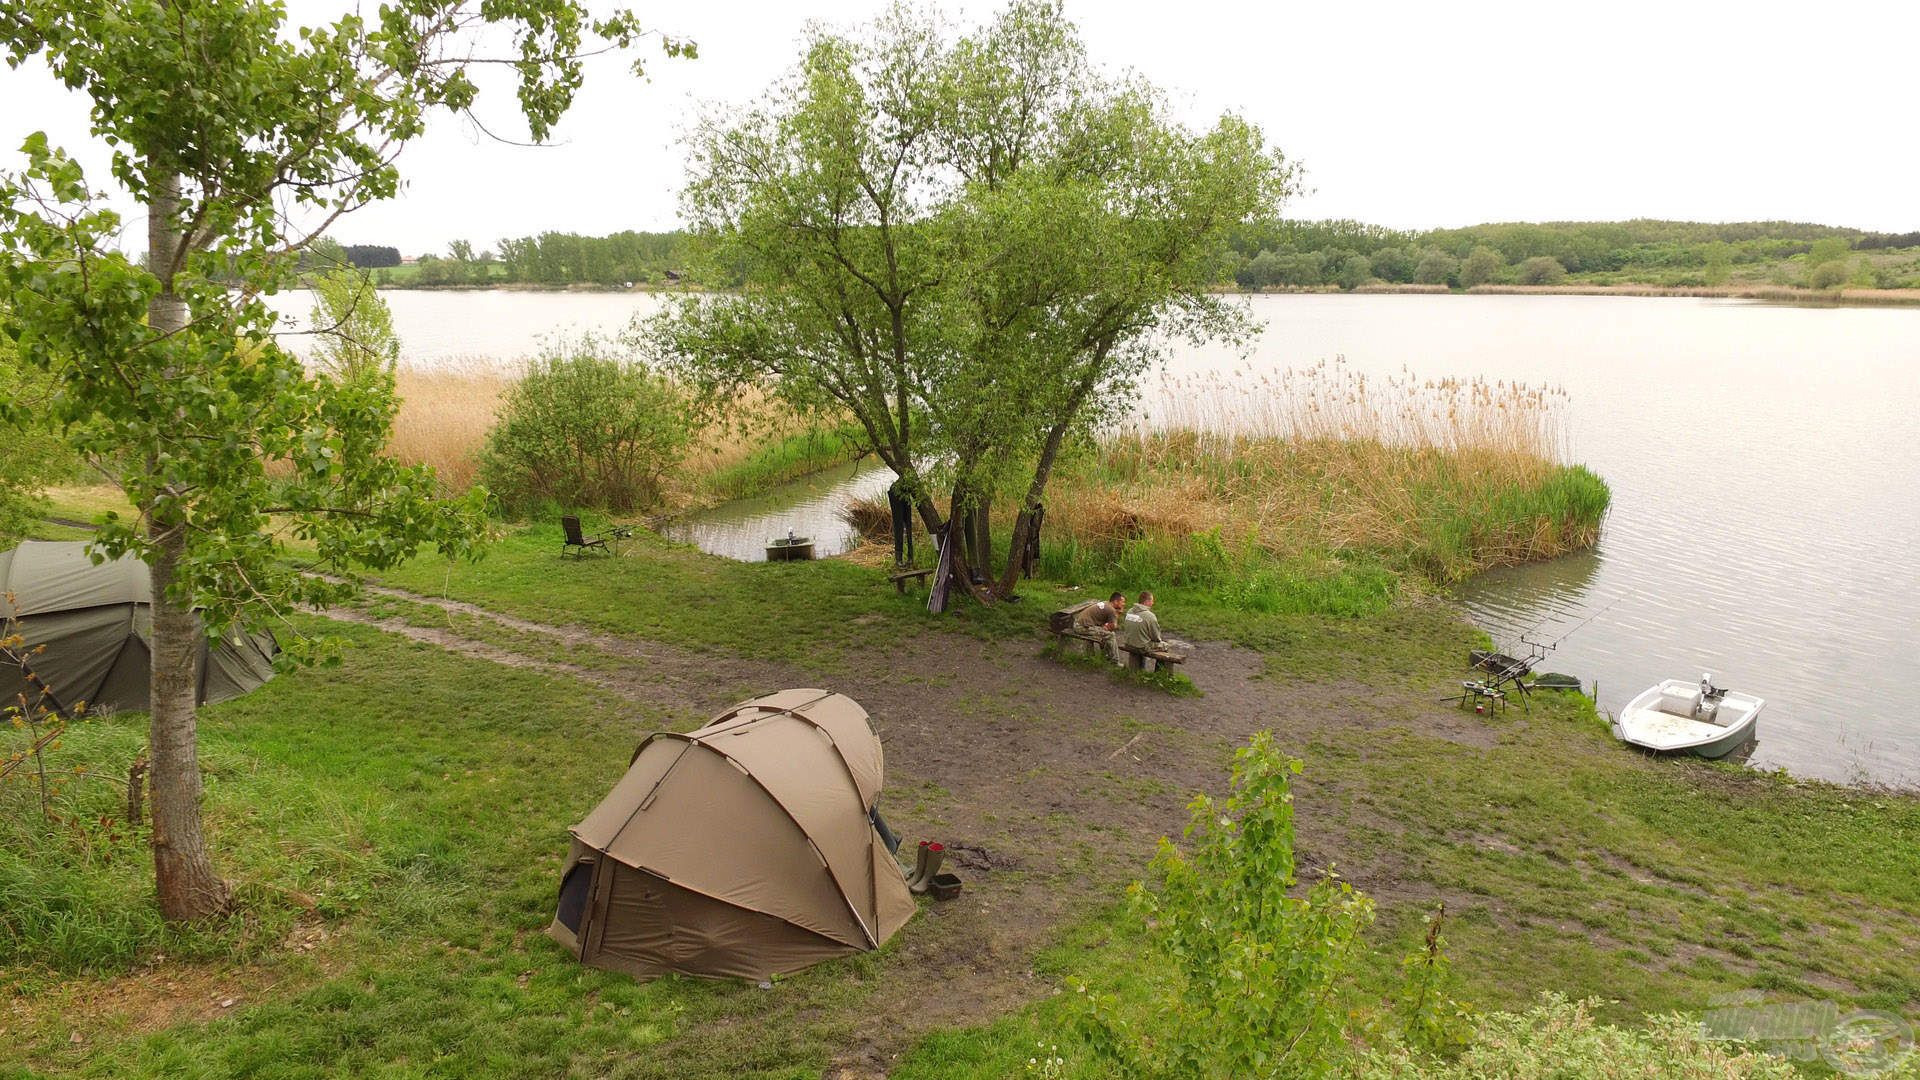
x=1030 y=554
x=902 y=510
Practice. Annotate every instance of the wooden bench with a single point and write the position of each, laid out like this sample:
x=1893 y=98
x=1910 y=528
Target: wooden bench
x=901 y=577
x=1139 y=659
x=1086 y=640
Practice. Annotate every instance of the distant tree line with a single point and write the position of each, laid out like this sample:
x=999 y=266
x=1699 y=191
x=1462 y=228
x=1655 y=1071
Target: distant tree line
x=556 y=258
x=1349 y=254
x=550 y=258
x=1873 y=241
x=371 y=256
x=1263 y=255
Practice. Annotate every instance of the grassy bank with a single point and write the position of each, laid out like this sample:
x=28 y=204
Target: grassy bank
x=395 y=827
x=786 y=458
x=1316 y=490
x=1765 y=292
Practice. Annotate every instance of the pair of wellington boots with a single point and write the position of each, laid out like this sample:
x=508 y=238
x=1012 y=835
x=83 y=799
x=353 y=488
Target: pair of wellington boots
x=926 y=863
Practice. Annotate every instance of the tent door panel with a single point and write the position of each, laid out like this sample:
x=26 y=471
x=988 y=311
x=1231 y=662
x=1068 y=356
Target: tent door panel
x=595 y=918
x=575 y=890
x=637 y=923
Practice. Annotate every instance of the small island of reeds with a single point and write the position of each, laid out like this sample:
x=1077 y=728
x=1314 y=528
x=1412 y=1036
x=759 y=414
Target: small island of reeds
x=1321 y=489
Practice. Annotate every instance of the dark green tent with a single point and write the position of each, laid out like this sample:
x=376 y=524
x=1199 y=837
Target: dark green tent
x=93 y=622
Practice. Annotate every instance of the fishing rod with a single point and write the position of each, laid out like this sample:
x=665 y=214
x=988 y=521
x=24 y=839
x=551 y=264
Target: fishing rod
x=1545 y=647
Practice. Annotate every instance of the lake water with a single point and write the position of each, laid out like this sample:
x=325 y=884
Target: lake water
x=1764 y=460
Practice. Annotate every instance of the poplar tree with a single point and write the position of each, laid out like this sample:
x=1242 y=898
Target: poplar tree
x=244 y=138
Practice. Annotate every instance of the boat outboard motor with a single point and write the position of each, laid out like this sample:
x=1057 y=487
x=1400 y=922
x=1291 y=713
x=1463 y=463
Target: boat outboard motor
x=1709 y=699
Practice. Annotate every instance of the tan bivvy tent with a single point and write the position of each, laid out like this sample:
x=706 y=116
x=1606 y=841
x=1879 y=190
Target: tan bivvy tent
x=93 y=622
x=746 y=848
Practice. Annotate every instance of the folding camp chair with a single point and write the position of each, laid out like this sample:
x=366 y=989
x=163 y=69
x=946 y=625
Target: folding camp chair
x=578 y=543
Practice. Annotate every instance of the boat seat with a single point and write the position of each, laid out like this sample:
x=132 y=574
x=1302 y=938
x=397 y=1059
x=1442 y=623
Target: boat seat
x=1680 y=701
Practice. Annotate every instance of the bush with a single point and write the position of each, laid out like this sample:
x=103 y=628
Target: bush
x=1559 y=1038
x=1300 y=269
x=1262 y=270
x=354 y=339
x=1247 y=975
x=1394 y=264
x=1828 y=275
x=1436 y=268
x=1832 y=249
x=1353 y=272
x=1480 y=267
x=1542 y=270
x=583 y=429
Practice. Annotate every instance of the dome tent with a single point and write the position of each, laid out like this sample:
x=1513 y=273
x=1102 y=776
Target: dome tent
x=747 y=848
x=87 y=627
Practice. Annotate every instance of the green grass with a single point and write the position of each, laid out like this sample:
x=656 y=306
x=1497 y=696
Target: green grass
x=415 y=802
x=325 y=787
x=411 y=805
x=810 y=613
x=1652 y=886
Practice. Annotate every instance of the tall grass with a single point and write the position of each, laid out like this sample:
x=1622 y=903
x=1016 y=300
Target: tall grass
x=1442 y=477
x=446 y=411
x=1320 y=489
x=445 y=414
x=1330 y=401
x=787 y=457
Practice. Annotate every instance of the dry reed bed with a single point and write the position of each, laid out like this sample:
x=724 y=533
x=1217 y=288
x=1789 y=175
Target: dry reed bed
x=1445 y=477
x=1786 y=294
x=444 y=416
x=447 y=410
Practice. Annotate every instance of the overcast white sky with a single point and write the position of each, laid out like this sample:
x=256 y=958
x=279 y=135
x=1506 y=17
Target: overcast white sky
x=1411 y=115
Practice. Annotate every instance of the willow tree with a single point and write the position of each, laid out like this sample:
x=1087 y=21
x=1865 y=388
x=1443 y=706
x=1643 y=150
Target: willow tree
x=974 y=246
x=244 y=138
x=821 y=203
x=1091 y=237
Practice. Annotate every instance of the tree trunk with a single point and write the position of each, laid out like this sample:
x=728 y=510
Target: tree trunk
x=962 y=572
x=1023 y=523
x=983 y=537
x=183 y=875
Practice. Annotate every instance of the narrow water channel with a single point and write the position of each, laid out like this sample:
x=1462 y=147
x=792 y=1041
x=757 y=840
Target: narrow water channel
x=811 y=507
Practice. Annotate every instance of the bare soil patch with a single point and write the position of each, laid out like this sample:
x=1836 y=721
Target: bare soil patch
x=1049 y=783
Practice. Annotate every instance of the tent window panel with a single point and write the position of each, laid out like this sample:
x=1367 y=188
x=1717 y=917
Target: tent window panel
x=573 y=894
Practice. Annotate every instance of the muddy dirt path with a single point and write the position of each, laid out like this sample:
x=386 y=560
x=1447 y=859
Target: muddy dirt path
x=1049 y=782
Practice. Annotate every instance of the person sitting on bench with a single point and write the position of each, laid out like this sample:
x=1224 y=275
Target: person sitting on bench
x=1104 y=615
x=1140 y=630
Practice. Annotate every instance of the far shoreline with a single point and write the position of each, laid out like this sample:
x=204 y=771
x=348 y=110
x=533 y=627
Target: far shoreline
x=1776 y=294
